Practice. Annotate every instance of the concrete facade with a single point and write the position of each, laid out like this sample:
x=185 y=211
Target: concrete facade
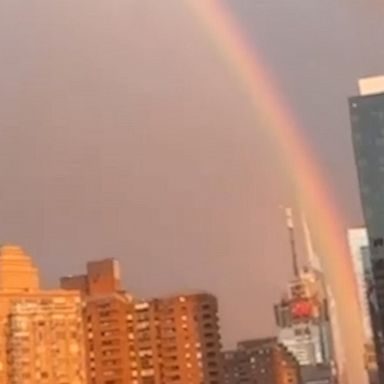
x=41 y=335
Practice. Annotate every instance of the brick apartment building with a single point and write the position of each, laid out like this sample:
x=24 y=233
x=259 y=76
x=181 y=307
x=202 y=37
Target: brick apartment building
x=262 y=361
x=158 y=341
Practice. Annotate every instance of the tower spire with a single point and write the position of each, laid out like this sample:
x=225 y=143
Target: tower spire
x=290 y=227
x=313 y=259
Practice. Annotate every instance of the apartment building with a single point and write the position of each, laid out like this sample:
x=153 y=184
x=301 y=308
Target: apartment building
x=41 y=335
x=190 y=339
x=45 y=343
x=177 y=340
x=108 y=323
x=167 y=340
x=146 y=349
x=262 y=361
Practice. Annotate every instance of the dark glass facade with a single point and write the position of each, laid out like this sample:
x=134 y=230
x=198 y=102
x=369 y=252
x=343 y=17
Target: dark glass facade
x=367 y=121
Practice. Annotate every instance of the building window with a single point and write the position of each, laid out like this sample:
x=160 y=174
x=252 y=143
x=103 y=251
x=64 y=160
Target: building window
x=378 y=242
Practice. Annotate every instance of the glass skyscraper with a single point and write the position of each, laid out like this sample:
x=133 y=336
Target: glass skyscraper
x=367 y=121
x=361 y=260
x=359 y=248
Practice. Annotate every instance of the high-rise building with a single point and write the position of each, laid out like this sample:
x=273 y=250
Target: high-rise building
x=41 y=332
x=45 y=343
x=302 y=316
x=167 y=340
x=146 y=351
x=17 y=272
x=359 y=249
x=303 y=321
x=107 y=319
x=177 y=340
x=190 y=343
x=262 y=361
x=367 y=121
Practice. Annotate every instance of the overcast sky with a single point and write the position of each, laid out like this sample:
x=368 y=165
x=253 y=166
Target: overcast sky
x=123 y=134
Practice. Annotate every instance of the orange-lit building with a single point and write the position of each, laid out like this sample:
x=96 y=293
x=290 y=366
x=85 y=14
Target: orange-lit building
x=106 y=317
x=169 y=340
x=263 y=361
x=190 y=339
x=145 y=350
x=177 y=340
x=41 y=335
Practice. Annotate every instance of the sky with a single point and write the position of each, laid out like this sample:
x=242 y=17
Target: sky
x=124 y=134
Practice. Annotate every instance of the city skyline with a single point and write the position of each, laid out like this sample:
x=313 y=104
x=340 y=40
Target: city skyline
x=92 y=331
x=103 y=280
x=134 y=131
x=136 y=209
x=83 y=155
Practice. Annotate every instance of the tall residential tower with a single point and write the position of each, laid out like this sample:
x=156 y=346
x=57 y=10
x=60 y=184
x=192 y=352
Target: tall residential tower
x=107 y=317
x=167 y=340
x=41 y=332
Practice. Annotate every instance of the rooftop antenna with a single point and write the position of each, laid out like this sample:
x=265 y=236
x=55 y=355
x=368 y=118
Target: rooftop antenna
x=290 y=227
x=313 y=259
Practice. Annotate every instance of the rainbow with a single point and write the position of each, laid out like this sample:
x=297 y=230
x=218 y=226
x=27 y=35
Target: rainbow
x=310 y=183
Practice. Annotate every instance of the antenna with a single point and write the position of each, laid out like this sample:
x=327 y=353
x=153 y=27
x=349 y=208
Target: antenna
x=289 y=221
x=313 y=259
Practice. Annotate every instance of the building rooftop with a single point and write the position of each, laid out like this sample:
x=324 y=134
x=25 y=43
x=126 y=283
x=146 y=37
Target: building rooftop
x=10 y=251
x=371 y=85
x=17 y=272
